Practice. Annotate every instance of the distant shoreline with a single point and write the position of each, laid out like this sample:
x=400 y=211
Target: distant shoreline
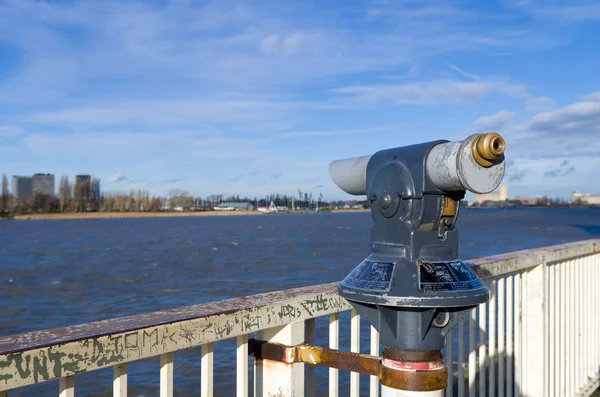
x=122 y=215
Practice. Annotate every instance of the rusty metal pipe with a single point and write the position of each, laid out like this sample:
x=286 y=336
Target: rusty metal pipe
x=407 y=374
x=401 y=373
x=308 y=354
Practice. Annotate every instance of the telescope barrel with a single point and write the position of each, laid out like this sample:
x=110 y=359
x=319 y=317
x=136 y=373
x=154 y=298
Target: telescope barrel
x=475 y=164
x=350 y=175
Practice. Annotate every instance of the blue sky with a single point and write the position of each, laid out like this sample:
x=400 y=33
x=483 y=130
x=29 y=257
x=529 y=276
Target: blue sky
x=254 y=97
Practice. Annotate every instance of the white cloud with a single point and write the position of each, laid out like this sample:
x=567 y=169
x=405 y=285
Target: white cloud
x=494 y=122
x=593 y=97
x=293 y=42
x=581 y=118
x=433 y=92
x=570 y=131
x=116 y=178
x=463 y=73
x=171 y=181
x=269 y=44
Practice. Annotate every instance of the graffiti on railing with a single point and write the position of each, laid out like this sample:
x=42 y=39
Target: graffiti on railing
x=75 y=356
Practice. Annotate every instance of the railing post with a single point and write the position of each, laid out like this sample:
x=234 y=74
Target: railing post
x=272 y=378
x=120 y=380
x=166 y=375
x=533 y=334
x=66 y=386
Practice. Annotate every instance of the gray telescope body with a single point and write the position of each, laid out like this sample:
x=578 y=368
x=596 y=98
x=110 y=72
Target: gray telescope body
x=412 y=287
x=450 y=166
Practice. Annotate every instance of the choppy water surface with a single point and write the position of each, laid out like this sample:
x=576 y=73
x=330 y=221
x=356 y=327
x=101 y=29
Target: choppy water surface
x=58 y=273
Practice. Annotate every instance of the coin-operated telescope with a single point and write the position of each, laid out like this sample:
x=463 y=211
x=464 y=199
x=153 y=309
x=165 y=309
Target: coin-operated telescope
x=412 y=287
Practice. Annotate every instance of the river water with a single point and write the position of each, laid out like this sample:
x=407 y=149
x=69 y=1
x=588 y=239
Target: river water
x=64 y=272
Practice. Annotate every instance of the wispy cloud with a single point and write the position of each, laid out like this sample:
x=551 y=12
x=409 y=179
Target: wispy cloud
x=236 y=178
x=171 y=181
x=431 y=93
x=463 y=73
x=116 y=178
x=518 y=175
x=563 y=170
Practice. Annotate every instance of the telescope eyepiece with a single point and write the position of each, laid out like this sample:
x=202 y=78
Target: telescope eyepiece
x=487 y=148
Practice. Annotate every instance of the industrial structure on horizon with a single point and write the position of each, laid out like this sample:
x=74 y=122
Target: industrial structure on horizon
x=500 y=198
x=500 y=195
x=585 y=198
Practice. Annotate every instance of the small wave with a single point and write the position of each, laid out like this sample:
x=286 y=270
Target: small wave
x=126 y=280
x=168 y=291
x=226 y=244
x=56 y=282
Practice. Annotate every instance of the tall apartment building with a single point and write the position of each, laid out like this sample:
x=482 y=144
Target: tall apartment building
x=22 y=187
x=87 y=192
x=43 y=184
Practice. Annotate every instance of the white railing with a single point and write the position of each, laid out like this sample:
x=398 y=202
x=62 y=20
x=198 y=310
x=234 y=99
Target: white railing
x=537 y=336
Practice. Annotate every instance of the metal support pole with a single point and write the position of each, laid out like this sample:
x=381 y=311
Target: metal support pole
x=412 y=374
x=389 y=392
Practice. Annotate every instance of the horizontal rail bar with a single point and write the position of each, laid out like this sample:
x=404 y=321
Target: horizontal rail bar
x=101 y=344
x=502 y=264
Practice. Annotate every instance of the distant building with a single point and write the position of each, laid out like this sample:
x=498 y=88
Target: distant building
x=87 y=192
x=500 y=195
x=95 y=190
x=234 y=207
x=43 y=184
x=82 y=178
x=21 y=187
x=531 y=201
x=587 y=198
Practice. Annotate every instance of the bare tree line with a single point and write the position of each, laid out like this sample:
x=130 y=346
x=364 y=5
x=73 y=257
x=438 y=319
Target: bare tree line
x=83 y=195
